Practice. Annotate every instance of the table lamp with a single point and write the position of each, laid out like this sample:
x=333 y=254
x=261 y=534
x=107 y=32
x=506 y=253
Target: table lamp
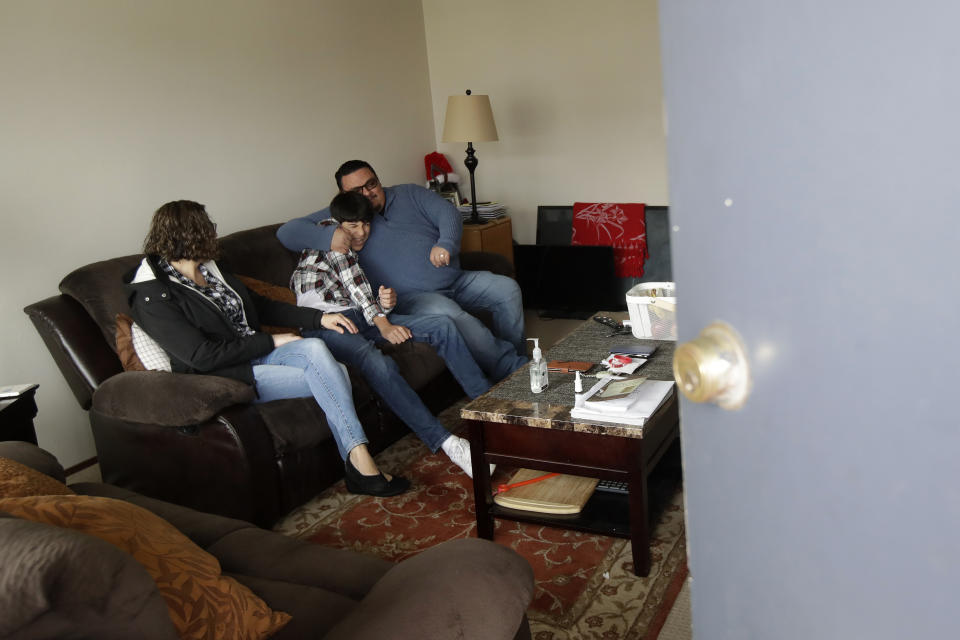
x=469 y=119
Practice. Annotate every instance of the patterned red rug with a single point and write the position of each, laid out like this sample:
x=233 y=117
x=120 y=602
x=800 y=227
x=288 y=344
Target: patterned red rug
x=585 y=587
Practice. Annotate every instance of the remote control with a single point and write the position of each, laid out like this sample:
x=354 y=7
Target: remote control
x=610 y=322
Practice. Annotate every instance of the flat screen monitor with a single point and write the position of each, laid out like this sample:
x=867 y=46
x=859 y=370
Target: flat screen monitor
x=567 y=281
x=555 y=226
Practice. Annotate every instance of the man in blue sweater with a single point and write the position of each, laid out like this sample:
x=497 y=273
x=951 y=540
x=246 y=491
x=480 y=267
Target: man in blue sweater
x=414 y=247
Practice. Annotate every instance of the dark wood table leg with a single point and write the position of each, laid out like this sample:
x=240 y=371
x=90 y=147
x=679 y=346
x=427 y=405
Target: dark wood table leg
x=639 y=513
x=481 y=481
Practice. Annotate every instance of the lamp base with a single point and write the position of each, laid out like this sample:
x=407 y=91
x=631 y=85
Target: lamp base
x=471 y=164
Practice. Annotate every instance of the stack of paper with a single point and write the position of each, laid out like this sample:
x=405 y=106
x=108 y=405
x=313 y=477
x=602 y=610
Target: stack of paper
x=486 y=210
x=629 y=401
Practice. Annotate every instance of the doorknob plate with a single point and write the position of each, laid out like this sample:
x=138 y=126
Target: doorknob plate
x=713 y=367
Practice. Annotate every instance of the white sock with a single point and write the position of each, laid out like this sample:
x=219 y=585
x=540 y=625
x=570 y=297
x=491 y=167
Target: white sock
x=458 y=450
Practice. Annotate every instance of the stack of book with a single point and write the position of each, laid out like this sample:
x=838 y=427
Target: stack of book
x=486 y=210
x=628 y=401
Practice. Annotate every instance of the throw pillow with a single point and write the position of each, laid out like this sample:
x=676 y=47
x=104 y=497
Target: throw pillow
x=202 y=603
x=128 y=355
x=137 y=350
x=267 y=290
x=151 y=354
x=18 y=480
x=274 y=292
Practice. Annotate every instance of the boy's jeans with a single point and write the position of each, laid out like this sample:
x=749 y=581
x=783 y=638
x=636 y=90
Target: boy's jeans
x=383 y=375
x=305 y=368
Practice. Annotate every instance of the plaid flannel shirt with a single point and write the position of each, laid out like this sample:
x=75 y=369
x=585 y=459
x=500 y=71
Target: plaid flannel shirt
x=338 y=278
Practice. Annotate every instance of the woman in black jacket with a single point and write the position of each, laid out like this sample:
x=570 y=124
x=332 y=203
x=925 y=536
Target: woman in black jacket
x=208 y=322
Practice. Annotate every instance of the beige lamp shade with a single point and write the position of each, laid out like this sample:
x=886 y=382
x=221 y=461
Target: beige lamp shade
x=469 y=119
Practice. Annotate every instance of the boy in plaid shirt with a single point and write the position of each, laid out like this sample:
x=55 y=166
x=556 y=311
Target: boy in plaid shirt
x=334 y=283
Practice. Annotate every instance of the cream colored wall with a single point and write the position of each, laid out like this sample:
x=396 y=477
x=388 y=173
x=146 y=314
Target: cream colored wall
x=576 y=93
x=111 y=108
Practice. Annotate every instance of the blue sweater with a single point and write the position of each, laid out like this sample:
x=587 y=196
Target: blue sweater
x=397 y=253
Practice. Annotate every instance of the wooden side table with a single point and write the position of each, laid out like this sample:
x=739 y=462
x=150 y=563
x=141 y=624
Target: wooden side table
x=16 y=415
x=495 y=236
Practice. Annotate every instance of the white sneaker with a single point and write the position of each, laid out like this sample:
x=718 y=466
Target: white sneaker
x=458 y=450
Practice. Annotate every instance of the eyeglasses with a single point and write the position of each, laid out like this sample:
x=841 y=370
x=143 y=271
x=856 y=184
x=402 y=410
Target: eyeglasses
x=369 y=185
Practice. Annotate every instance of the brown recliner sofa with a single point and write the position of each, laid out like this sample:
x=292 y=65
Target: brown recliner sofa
x=198 y=440
x=59 y=582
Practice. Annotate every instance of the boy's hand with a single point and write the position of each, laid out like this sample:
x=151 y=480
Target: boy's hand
x=392 y=333
x=387 y=297
x=439 y=257
x=338 y=322
x=340 y=242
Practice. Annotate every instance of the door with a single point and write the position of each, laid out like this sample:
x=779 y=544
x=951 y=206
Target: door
x=815 y=197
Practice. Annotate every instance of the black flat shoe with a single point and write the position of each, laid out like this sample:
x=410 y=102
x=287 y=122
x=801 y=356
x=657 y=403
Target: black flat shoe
x=377 y=485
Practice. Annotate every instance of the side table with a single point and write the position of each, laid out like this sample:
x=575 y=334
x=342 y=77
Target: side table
x=495 y=236
x=17 y=413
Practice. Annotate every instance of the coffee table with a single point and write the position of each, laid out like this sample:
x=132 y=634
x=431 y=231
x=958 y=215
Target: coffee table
x=510 y=425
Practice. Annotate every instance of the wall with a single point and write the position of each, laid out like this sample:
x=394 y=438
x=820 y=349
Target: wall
x=111 y=108
x=576 y=93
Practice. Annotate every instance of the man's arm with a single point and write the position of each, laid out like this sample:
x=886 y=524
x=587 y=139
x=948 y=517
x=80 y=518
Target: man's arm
x=444 y=216
x=306 y=233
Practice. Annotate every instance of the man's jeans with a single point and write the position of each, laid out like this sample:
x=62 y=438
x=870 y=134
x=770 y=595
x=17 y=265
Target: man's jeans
x=383 y=375
x=305 y=368
x=498 y=355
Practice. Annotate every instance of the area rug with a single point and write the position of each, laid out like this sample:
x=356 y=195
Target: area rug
x=585 y=587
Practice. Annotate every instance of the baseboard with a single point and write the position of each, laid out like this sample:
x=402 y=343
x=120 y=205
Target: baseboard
x=80 y=466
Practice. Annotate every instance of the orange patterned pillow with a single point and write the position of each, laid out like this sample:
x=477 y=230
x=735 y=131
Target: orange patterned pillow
x=18 y=480
x=202 y=602
x=274 y=292
x=125 y=349
x=267 y=290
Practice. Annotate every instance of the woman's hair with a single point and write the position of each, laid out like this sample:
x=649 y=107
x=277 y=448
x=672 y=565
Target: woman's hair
x=182 y=230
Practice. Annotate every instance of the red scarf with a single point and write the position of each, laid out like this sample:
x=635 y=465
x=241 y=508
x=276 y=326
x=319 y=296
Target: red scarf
x=618 y=225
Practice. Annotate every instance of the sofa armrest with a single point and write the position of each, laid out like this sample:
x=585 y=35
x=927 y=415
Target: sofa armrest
x=76 y=344
x=30 y=455
x=168 y=399
x=468 y=588
x=60 y=583
x=486 y=261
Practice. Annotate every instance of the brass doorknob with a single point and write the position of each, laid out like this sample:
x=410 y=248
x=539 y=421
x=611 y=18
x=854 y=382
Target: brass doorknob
x=713 y=367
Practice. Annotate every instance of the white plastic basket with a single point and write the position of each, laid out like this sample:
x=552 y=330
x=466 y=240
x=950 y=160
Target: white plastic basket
x=653 y=310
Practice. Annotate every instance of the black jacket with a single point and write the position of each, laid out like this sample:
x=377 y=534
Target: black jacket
x=195 y=333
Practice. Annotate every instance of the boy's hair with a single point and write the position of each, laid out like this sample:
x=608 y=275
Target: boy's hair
x=349 y=206
x=349 y=167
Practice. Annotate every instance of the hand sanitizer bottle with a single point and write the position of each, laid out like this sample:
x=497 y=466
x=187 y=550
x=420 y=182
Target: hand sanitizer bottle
x=538 y=368
x=578 y=390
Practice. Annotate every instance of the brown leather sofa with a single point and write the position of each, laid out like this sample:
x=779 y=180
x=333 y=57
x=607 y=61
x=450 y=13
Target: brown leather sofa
x=197 y=440
x=58 y=582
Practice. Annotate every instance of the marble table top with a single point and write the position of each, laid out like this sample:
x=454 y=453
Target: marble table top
x=512 y=402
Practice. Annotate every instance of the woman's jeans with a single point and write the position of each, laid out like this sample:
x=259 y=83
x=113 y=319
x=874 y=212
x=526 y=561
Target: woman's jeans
x=305 y=368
